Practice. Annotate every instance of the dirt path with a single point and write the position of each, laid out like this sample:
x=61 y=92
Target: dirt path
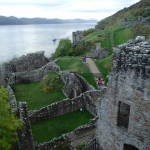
x=92 y=66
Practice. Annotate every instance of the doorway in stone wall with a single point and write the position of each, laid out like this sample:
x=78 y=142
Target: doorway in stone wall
x=129 y=147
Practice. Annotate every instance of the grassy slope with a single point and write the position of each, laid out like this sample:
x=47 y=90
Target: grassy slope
x=35 y=96
x=104 y=66
x=75 y=64
x=54 y=127
x=122 y=35
x=109 y=33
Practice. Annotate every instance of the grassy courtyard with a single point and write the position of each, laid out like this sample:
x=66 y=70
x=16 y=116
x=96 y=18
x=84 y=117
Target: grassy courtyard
x=35 y=96
x=54 y=127
x=75 y=64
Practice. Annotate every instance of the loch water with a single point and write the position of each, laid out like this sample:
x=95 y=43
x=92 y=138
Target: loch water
x=17 y=40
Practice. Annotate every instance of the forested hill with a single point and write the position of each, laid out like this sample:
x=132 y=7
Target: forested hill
x=22 y=21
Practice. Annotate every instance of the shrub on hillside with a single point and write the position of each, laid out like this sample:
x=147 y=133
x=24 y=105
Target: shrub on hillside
x=64 y=48
x=141 y=29
x=87 y=32
x=83 y=47
x=51 y=81
x=8 y=122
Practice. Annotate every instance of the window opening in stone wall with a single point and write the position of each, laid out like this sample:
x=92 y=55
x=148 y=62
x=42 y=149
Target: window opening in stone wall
x=123 y=115
x=129 y=147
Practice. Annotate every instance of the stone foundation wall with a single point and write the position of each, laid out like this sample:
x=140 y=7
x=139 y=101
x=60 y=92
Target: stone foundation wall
x=32 y=76
x=55 y=144
x=12 y=99
x=27 y=62
x=86 y=100
x=25 y=134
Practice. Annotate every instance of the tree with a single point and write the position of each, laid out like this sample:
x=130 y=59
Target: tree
x=9 y=123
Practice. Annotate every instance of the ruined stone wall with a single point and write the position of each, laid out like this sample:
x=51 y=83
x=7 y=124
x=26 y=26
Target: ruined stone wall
x=27 y=62
x=55 y=144
x=32 y=76
x=25 y=134
x=130 y=85
x=98 y=52
x=76 y=37
x=87 y=100
x=56 y=109
x=12 y=99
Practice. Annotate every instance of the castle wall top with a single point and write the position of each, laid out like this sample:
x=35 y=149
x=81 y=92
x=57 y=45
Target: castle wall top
x=134 y=55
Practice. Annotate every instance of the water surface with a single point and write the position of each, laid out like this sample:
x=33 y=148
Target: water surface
x=16 y=40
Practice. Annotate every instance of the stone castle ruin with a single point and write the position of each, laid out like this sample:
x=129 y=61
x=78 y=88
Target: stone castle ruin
x=80 y=96
x=121 y=111
x=124 y=112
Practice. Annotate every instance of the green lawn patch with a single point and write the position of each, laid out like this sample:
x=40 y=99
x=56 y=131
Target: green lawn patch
x=122 y=35
x=54 y=127
x=75 y=64
x=104 y=65
x=35 y=96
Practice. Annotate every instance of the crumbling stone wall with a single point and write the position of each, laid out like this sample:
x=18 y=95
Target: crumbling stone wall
x=55 y=144
x=99 y=52
x=12 y=99
x=32 y=76
x=25 y=63
x=129 y=84
x=76 y=37
x=25 y=134
x=74 y=84
x=87 y=100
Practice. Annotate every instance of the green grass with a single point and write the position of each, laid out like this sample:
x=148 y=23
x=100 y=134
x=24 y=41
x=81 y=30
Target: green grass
x=75 y=64
x=104 y=65
x=54 y=127
x=35 y=96
x=122 y=35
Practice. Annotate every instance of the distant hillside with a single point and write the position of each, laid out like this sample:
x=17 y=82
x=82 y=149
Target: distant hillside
x=124 y=25
x=120 y=27
x=22 y=21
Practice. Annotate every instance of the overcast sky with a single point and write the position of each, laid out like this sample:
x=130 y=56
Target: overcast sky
x=65 y=9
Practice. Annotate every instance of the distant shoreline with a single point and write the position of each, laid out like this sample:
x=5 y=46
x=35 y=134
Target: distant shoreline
x=47 y=23
x=27 y=21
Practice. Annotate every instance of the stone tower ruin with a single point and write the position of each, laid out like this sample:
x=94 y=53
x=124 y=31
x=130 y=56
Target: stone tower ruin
x=124 y=112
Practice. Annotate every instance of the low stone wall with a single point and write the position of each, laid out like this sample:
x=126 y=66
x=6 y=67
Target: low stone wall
x=34 y=75
x=81 y=135
x=56 y=109
x=27 y=62
x=12 y=99
x=25 y=134
x=86 y=100
x=55 y=144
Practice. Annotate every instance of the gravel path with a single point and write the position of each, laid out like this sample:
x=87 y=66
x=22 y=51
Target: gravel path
x=92 y=66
